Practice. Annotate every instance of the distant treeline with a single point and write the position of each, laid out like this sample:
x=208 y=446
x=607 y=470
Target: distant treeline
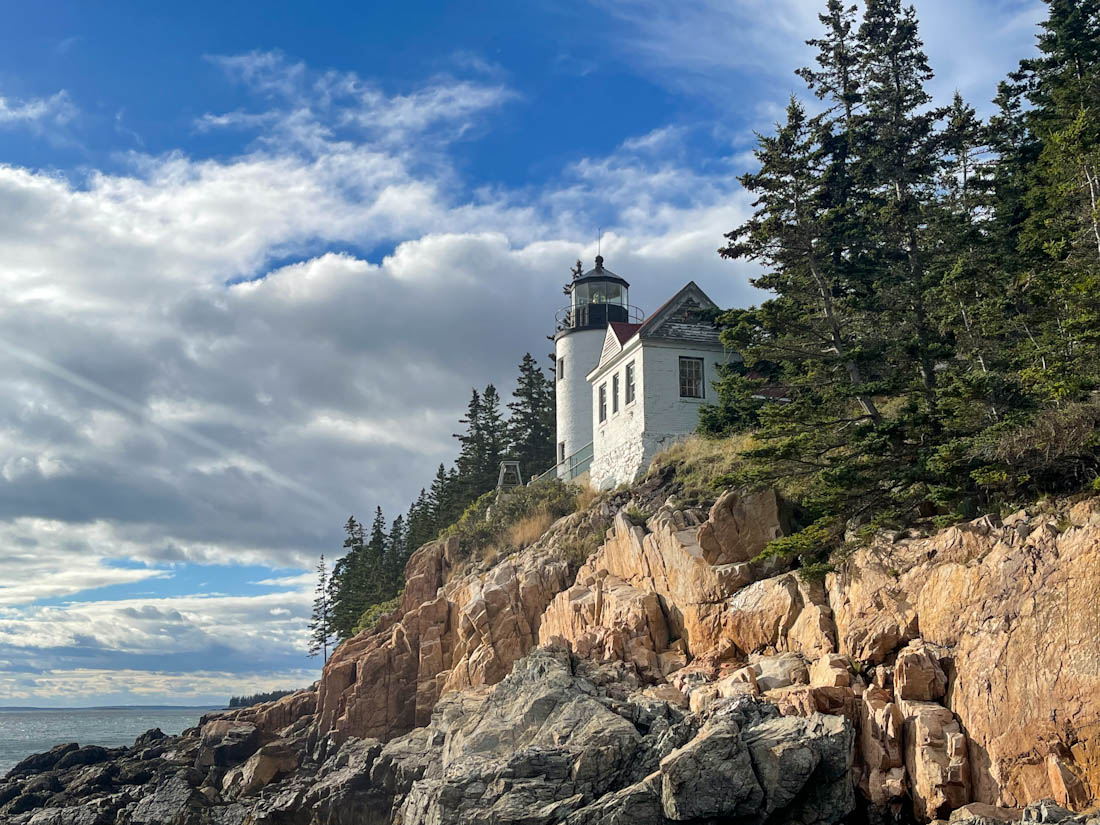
x=257 y=698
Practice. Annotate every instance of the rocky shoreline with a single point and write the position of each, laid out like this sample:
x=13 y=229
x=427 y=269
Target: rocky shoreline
x=671 y=679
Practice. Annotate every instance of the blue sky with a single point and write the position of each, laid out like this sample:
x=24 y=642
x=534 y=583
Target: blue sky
x=249 y=258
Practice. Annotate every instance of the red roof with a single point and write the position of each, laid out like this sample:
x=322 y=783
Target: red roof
x=624 y=332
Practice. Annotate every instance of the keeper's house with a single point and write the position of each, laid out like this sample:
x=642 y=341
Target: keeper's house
x=628 y=386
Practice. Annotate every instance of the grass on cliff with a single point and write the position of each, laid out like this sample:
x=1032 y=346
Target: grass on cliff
x=496 y=525
x=702 y=466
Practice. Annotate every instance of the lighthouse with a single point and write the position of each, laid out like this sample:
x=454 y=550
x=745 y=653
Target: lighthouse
x=597 y=298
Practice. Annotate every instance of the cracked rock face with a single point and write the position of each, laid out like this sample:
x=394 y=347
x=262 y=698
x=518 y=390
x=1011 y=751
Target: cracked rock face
x=575 y=753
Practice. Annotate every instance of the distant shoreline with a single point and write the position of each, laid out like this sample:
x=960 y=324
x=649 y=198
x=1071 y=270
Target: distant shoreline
x=17 y=708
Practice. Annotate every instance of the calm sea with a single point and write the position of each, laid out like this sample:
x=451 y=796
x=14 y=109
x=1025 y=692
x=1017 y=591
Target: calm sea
x=23 y=732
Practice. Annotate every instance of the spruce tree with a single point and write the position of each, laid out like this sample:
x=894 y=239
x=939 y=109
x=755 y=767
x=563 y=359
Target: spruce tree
x=494 y=431
x=812 y=338
x=346 y=600
x=374 y=578
x=320 y=624
x=896 y=168
x=442 y=500
x=418 y=524
x=471 y=455
x=531 y=424
x=395 y=556
x=1061 y=231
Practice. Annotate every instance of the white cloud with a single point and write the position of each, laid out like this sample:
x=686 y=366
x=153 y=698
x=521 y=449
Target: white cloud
x=37 y=113
x=704 y=47
x=168 y=626
x=80 y=686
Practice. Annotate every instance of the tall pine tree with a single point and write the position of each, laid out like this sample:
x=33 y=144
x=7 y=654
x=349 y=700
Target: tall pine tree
x=531 y=425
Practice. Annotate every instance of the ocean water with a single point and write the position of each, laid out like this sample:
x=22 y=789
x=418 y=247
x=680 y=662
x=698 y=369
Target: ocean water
x=23 y=732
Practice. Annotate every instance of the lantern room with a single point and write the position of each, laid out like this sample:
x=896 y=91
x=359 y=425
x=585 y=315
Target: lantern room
x=597 y=298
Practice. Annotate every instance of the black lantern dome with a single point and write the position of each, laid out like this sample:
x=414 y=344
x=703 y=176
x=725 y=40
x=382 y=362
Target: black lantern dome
x=597 y=298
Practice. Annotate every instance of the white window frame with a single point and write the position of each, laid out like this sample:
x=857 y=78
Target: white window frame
x=615 y=394
x=602 y=402
x=631 y=391
x=689 y=359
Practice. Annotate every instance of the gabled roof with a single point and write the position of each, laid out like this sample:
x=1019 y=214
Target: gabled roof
x=677 y=320
x=689 y=293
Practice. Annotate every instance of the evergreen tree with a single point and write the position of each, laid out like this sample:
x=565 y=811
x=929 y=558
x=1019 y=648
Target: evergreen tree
x=374 y=579
x=395 y=556
x=815 y=329
x=494 y=431
x=836 y=78
x=347 y=599
x=1061 y=231
x=935 y=326
x=471 y=455
x=896 y=168
x=531 y=425
x=442 y=501
x=418 y=524
x=320 y=624
x=483 y=446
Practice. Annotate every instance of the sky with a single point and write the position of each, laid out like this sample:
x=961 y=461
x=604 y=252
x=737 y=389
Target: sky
x=253 y=260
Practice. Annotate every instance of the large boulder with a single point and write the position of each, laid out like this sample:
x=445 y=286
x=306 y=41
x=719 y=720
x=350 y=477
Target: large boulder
x=918 y=674
x=936 y=759
x=226 y=742
x=882 y=779
x=269 y=762
x=739 y=526
x=711 y=776
x=603 y=618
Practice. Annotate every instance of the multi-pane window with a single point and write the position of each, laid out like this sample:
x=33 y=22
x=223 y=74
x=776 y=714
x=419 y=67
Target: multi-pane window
x=615 y=393
x=603 y=402
x=561 y=369
x=630 y=382
x=691 y=377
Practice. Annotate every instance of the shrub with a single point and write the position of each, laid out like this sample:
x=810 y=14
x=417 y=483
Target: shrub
x=490 y=520
x=576 y=549
x=1056 y=450
x=369 y=618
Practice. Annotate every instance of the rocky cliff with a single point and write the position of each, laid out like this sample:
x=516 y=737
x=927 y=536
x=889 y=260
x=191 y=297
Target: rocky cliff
x=671 y=679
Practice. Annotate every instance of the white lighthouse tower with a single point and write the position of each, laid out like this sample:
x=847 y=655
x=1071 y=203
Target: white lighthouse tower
x=596 y=298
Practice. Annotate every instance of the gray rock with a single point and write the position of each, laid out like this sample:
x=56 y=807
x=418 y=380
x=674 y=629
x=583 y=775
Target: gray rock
x=710 y=776
x=174 y=802
x=88 y=755
x=38 y=762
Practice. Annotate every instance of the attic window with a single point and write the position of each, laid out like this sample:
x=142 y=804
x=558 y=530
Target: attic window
x=691 y=377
